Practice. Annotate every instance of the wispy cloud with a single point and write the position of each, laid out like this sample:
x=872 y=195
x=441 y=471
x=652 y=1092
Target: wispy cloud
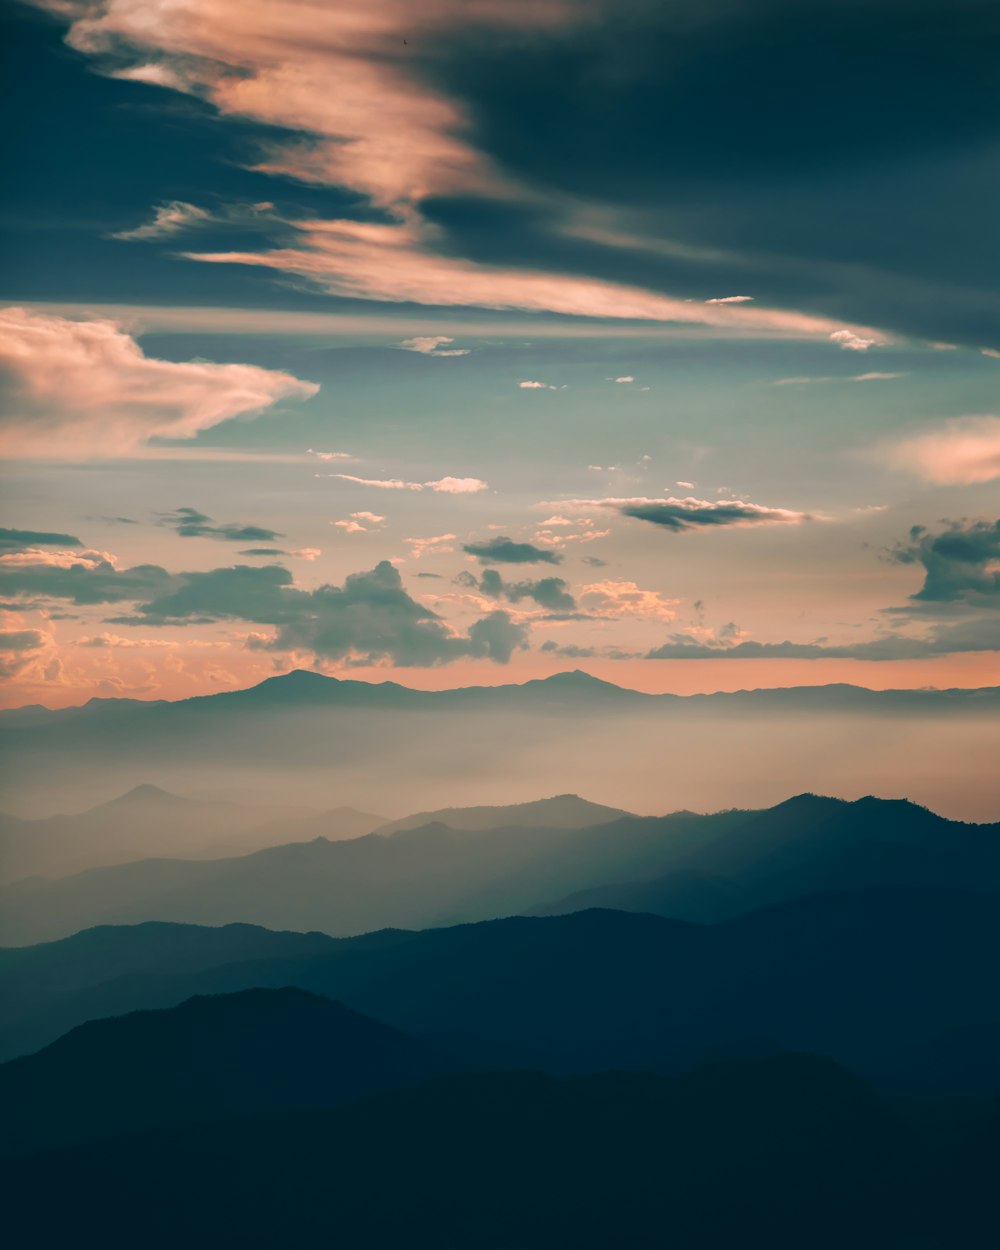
x=962 y=451
x=168 y=219
x=443 y=485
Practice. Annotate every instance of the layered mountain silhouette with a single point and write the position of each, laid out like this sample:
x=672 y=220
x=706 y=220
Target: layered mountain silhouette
x=148 y=820
x=854 y=975
x=256 y=1051
x=382 y=746
x=781 y=1153
x=702 y=868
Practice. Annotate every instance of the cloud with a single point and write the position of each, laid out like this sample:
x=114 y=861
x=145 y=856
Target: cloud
x=730 y=299
x=439 y=544
x=625 y=379
x=614 y=598
x=851 y=342
x=25 y=540
x=444 y=485
x=537 y=386
x=551 y=593
x=963 y=451
x=430 y=345
x=991 y=352
x=857 y=377
x=189 y=523
x=372 y=518
x=18 y=649
x=686 y=485
x=502 y=550
x=263 y=551
x=331 y=455
x=168 y=219
x=961 y=565
x=458 y=485
x=680 y=515
x=965 y=637
x=85 y=388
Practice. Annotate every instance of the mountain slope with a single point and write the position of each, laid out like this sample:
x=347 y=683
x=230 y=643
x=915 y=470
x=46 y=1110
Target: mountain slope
x=255 y=1051
x=847 y=974
x=565 y=811
x=144 y=821
x=437 y=875
x=781 y=1153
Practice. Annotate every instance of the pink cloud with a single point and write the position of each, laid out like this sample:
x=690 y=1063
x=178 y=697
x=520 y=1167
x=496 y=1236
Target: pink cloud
x=85 y=388
x=964 y=451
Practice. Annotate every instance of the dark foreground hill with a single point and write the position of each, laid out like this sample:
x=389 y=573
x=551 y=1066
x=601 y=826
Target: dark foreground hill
x=700 y=868
x=782 y=1154
x=259 y=1050
x=855 y=975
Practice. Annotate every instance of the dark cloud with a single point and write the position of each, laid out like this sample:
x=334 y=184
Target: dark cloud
x=371 y=617
x=86 y=582
x=189 y=523
x=679 y=514
x=967 y=636
x=16 y=649
x=595 y=562
x=22 y=540
x=548 y=592
x=961 y=566
x=806 y=137
x=21 y=640
x=506 y=551
x=435 y=576
x=263 y=551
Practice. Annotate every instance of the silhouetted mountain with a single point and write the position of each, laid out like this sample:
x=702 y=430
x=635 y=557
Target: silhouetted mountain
x=51 y=978
x=783 y=1153
x=384 y=746
x=729 y=862
x=143 y=822
x=853 y=975
x=959 y=1062
x=259 y=1050
x=565 y=811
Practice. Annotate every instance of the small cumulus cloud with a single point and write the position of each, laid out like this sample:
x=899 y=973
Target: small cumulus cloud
x=432 y=345
x=625 y=379
x=438 y=544
x=503 y=550
x=851 y=342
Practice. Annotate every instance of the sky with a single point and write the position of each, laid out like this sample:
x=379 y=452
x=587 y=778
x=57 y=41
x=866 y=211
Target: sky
x=472 y=341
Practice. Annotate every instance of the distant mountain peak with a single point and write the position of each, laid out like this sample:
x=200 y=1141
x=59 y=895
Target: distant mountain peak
x=145 y=793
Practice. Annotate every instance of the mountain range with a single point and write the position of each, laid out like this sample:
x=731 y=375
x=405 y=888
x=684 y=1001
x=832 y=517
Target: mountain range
x=295 y=740
x=688 y=866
